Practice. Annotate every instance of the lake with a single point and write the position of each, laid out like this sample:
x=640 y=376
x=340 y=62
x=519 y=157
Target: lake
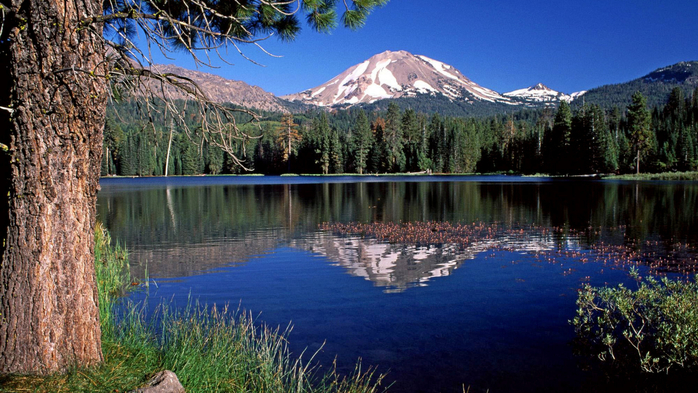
x=443 y=282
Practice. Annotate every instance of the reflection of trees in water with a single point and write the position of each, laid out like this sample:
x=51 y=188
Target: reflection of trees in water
x=589 y=212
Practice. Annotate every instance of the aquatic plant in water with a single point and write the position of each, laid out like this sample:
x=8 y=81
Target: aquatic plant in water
x=654 y=327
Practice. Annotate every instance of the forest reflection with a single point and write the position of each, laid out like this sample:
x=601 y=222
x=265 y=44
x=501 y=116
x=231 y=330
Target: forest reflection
x=183 y=230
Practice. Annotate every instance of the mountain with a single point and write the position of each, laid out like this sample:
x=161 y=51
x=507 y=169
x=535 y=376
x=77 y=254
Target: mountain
x=685 y=72
x=221 y=90
x=542 y=94
x=391 y=75
x=656 y=86
x=429 y=86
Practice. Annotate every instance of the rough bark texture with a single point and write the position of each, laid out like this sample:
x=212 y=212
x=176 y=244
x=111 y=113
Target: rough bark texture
x=48 y=298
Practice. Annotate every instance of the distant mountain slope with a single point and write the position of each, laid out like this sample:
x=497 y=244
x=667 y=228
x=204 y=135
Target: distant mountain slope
x=397 y=75
x=430 y=104
x=222 y=90
x=656 y=86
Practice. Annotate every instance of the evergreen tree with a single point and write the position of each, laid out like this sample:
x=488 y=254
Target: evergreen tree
x=215 y=159
x=379 y=152
x=686 y=159
x=113 y=136
x=127 y=157
x=601 y=143
x=191 y=159
x=362 y=142
x=336 y=156
x=424 y=162
x=268 y=157
x=288 y=138
x=393 y=137
x=694 y=106
x=557 y=146
x=467 y=145
x=412 y=137
x=323 y=144
x=588 y=140
x=437 y=143
x=639 y=122
x=676 y=105
x=561 y=140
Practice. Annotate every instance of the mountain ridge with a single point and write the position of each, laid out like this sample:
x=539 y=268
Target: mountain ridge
x=655 y=86
x=419 y=81
x=222 y=90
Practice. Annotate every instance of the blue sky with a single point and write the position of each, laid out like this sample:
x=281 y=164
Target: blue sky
x=503 y=45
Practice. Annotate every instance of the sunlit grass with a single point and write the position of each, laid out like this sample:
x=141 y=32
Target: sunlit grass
x=656 y=176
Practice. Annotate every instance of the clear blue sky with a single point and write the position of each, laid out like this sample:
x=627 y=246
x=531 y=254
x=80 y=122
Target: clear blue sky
x=503 y=45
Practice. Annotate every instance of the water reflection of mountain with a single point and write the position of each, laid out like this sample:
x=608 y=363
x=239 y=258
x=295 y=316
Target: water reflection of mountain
x=397 y=266
x=182 y=260
x=393 y=266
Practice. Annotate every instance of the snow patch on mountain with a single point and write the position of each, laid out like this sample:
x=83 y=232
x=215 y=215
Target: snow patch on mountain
x=439 y=66
x=356 y=73
x=376 y=91
x=575 y=95
x=423 y=87
x=319 y=91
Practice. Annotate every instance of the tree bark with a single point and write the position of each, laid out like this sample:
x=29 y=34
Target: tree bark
x=48 y=296
x=637 y=168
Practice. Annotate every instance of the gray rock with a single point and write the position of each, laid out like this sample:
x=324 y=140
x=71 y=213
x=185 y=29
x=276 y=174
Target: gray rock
x=162 y=382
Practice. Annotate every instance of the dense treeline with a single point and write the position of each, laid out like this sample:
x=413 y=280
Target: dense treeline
x=583 y=140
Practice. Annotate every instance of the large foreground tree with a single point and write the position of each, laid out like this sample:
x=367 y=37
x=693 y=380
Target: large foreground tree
x=62 y=60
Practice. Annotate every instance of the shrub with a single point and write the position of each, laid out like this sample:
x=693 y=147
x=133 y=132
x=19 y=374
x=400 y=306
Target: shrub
x=654 y=327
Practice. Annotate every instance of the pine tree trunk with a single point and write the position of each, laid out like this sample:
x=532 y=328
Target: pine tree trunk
x=48 y=296
x=169 y=147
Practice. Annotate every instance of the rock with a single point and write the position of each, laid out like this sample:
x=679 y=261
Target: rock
x=162 y=382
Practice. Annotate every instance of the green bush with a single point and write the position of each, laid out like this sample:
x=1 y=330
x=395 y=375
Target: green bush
x=654 y=327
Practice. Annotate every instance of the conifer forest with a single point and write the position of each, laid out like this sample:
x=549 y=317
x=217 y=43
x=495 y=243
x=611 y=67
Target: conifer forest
x=571 y=139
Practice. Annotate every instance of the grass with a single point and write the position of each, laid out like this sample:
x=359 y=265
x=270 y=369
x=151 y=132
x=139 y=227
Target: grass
x=210 y=349
x=656 y=176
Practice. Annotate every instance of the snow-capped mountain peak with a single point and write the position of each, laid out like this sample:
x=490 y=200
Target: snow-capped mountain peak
x=540 y=91
x=393 y=75
x=542 y=94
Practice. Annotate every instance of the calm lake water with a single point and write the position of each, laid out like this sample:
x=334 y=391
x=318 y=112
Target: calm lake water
x=484 y=306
